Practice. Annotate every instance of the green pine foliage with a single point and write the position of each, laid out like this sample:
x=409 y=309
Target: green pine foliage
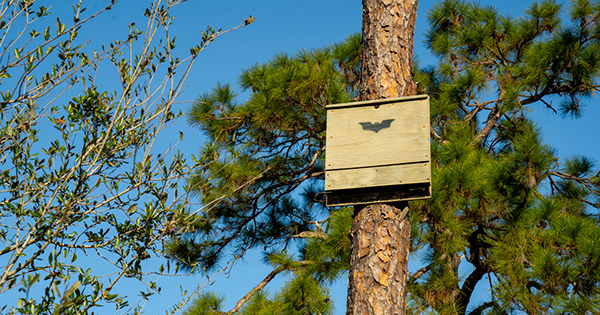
x=208 y=303
x=301 y=295
x=330 y=255
x=261 y=304
x=492 y=170
x=522 y=222
x=260 y=153
x=304 y=295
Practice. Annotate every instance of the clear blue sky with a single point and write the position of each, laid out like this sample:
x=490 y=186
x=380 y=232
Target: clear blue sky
x=286 y=26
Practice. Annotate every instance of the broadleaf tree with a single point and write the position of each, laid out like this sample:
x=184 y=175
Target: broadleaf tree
x=523 y=221
x=87 y=197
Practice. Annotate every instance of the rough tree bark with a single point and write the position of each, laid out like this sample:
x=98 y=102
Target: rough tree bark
x=388 y=29
x=381 y=233
x=378 y=260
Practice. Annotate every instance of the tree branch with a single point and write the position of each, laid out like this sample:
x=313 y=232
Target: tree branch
x=311 y=234
x=490 y=123
x=260 y=286
x=477 y=109
x=436 y=136
x=582 y=180
x=417 y=274
x=479 y=310
x=467 y=289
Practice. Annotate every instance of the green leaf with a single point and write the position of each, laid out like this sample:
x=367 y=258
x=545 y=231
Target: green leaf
x=72 y=289
x=132 y=209
x=60 y=26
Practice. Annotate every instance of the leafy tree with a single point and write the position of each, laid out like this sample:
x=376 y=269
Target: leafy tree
x=504 y=204
x=85 y=196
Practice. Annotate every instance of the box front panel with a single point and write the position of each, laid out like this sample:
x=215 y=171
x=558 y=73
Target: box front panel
x=367 y=136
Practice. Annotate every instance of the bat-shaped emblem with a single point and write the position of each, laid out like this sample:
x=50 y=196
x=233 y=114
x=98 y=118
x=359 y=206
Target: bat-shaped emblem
x=376 y=126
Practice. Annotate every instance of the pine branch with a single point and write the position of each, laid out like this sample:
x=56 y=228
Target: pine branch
x=417 y=274
x=261 y=286
x=467 y=289
x=549 y=106
x=591 y=186
x=435 y=135
x=311 y=234
x=257 y=288
x=491 y=122
x=478 y=108
x=479 y=310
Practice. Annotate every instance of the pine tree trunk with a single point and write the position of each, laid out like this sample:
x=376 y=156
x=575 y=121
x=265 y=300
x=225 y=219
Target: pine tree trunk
x=387 y=33
x=381 y=232
x=378 y=260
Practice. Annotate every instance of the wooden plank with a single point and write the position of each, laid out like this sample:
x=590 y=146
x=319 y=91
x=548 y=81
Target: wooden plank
x=378 y=176
x=380 y=101
x=373 y=135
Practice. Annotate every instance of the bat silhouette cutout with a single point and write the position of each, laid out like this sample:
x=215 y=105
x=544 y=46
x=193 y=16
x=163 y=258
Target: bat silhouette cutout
x=377 y=126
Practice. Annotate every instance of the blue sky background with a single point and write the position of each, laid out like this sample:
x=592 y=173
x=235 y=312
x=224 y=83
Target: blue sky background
x=285 y=27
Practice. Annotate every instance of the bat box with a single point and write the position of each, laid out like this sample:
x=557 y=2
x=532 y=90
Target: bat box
x=378 y=151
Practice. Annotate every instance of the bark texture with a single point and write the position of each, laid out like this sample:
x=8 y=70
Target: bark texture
x=388 y=29
x=381 y=232
x=378 y=262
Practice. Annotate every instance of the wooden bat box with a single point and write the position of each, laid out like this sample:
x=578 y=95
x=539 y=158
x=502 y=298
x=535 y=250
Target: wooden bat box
x=378 y=151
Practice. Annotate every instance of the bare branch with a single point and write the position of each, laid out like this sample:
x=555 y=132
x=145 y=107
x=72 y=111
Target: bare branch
x=312 y=234
x=590 y=185
x=490 y=123
x=417 y=274
x=436 y=136
x=257 y=288
x=261 y=285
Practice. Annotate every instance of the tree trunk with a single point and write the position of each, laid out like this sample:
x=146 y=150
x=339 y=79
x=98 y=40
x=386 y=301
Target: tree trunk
x=387 y=33
x=381 y=232
x=378 y=260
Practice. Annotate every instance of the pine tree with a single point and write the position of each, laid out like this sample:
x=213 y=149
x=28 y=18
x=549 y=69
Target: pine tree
x=271 y=147
x=208 y=303
x=489 y=208
x=380 y=233
x=262 y=153
x=524 y=221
